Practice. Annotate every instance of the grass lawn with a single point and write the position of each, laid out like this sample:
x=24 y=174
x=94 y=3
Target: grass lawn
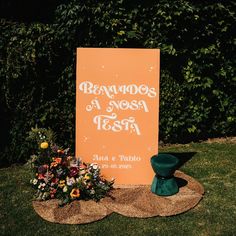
x=212 y=164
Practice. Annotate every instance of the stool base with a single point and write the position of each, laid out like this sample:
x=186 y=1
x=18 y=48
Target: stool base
x=164 y=186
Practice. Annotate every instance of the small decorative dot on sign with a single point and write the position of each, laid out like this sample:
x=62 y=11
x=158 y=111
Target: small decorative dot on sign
x=85 y=139
x=150 y=68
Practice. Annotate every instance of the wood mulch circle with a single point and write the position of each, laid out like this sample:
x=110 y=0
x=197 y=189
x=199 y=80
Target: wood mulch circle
x=138 y=202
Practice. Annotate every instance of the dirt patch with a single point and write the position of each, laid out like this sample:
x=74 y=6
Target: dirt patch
x=221 y=140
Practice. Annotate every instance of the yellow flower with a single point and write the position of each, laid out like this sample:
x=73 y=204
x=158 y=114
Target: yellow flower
x=61 y=183
x=44 y=145
x=75 y=193
x=87 y=177
x=121 y=32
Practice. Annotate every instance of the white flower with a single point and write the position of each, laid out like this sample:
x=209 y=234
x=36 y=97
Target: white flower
x=35 y=181
x=41 y=185
x=92 y=191
x=94 y=165
x=45 y=195
x=65 y=189
x=70 y=181
x=79 y=179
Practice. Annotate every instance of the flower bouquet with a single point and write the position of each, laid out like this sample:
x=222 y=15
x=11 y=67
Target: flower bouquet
x=61 y=176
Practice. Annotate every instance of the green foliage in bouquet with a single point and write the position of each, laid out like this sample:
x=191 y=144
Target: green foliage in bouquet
x=59 y=175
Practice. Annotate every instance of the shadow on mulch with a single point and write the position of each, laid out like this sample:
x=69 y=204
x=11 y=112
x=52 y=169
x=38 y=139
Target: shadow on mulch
x=181 y=182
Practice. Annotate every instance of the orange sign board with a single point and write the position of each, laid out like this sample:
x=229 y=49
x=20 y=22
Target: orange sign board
x=117 y=104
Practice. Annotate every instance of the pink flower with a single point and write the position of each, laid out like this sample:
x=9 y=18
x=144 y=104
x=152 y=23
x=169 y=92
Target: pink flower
x=54 y=181
x=52 y=192
x=41 y=176
x=82 y=166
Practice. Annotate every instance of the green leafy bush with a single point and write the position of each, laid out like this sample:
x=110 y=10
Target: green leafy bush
x=37 y=66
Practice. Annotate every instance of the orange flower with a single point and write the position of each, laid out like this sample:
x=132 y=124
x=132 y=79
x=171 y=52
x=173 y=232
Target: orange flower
x=60 y=151
x=57 y=160
x=53 y=164
x=75 y=193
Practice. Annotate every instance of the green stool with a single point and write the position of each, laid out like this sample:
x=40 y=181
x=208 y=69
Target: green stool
x=164 y=183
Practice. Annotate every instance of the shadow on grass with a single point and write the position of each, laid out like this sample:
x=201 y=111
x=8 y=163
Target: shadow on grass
x=182 y=156
x=4 y=164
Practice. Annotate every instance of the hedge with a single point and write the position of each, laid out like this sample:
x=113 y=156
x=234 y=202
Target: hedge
x=196 y=38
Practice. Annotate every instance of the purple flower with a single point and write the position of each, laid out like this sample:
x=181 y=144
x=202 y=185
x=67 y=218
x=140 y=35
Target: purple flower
x=42 y=169
x=54 y=148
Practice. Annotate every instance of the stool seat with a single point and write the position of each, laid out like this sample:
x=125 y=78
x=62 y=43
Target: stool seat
x=164 y=164
x=164 y=183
